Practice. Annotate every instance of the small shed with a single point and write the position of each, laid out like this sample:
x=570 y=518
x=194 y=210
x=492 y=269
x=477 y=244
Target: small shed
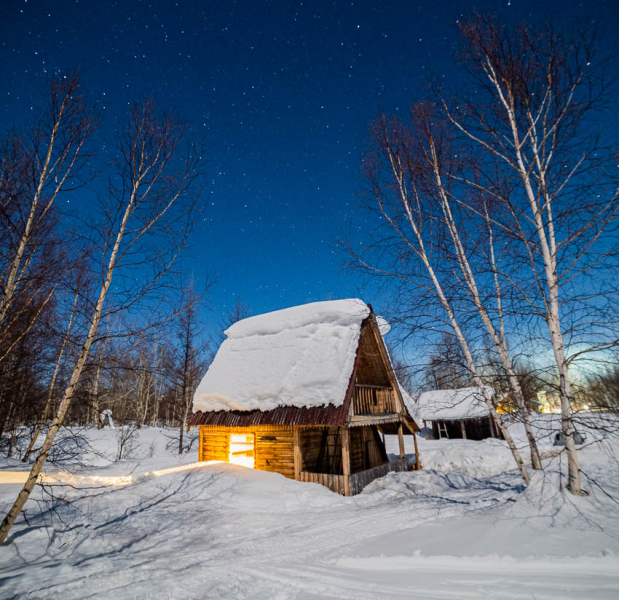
x=460 y=413
x=308 y=392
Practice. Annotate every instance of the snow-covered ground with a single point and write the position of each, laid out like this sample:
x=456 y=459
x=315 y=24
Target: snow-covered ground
x=464 y=527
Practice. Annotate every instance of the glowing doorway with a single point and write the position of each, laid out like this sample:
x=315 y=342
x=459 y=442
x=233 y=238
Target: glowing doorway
x=242 y=449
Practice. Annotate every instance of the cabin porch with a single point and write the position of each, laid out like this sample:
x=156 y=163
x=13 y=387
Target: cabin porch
x=346 y=459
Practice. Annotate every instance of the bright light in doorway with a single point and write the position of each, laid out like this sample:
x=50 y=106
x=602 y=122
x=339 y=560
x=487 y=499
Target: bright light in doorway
x=242 y=449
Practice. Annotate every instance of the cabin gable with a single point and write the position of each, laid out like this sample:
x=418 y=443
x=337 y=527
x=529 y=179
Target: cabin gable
x=376 y=391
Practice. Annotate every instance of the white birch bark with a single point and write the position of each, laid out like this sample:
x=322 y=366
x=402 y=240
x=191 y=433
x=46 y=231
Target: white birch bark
x=499 y=341
x=420 y=251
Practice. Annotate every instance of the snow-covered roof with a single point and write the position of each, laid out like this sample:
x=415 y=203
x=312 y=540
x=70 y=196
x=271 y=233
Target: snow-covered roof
x=465 y=403
x=301 y=356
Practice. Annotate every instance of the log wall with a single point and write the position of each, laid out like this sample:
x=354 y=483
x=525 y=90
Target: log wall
x=274 y=449
x=214 y=444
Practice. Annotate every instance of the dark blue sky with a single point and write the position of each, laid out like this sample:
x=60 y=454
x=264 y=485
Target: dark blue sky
x=281 y=92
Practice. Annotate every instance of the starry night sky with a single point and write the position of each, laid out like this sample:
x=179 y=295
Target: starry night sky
x=282 y=94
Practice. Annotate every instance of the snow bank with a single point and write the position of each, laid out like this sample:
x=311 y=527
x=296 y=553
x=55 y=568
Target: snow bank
x=301 y=356
x=465 y=403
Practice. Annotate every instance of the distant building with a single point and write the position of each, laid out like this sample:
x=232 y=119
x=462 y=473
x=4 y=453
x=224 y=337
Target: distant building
x=460 y=413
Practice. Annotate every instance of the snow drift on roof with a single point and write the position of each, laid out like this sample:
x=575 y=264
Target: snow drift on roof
x=301 y=356
x=465 y=403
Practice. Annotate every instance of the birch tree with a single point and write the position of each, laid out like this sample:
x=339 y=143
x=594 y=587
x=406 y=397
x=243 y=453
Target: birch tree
x=137 y=235
x=397 y=196
x=436 y=169
x=533 y=129
x=34 y=171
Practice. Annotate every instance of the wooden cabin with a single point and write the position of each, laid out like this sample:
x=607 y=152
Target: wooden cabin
x=455 y=414
x=308 y=392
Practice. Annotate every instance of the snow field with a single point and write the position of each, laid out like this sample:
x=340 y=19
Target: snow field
x=223 y=531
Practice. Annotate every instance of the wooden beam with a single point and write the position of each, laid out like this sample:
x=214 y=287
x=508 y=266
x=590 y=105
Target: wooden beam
x=491 y=426
x=463 y=428
x=296 y=440
x=401 y=440
x=409 y=427
x=200 y=432
x=374 y=419
x=346 y=460
x=417 y=459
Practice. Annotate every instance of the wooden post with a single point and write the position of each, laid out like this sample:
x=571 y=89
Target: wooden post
x=298 y=464
x=401 y=440
x=200 y=436
x=346 y=460
x=463 y=427
x=491 y=426
x=417 y=459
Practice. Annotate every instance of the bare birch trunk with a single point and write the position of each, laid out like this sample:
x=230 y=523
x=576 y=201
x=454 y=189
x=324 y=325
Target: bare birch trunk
x=422 y=254
x=50 y=168
x=546 y=240
x=498 y=341
x=37 y=467
x=50 y=394
x=146 y=149
x=513 y=69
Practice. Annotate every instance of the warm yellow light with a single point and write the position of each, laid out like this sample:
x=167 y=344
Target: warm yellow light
x=22 y=477
x=186 y=467
x=242 y=449
x=104 y=480
x=14 y=476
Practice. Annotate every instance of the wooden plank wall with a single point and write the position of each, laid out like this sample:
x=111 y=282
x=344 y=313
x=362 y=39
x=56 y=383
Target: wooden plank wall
x=274 y=450
x=336 y=483
x=359 y=480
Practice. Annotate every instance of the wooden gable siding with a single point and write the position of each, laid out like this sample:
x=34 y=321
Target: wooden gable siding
x=373 y=400
x=376 y=388
x=274 y=448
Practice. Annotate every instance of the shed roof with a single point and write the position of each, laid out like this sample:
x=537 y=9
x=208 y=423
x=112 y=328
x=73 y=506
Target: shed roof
x=299 y=357
x=463 y=403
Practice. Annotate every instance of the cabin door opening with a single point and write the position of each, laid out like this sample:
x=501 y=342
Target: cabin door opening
x=242 y=449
